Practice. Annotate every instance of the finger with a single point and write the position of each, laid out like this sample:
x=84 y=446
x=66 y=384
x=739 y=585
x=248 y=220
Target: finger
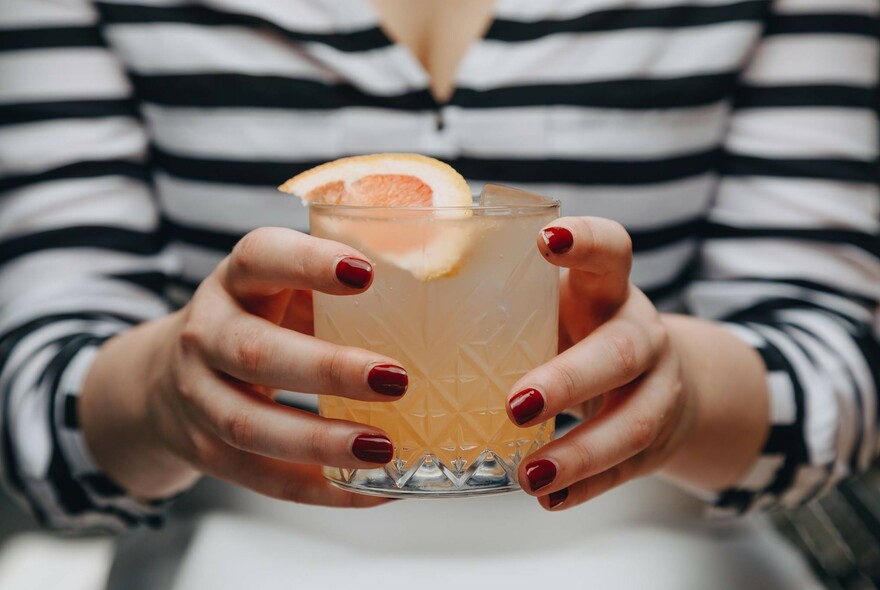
x=590 y=246
x=286 y=481
x=257 y=351
x=590 y=488
x=598 y=254
x=270 y=259
x=613 y=355
x=631 y=422
x=249 y=421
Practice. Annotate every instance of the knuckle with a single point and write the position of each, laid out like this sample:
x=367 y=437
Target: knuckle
x=186 y=385
x=309 y=249
x=248 y=353
x=314 y=445
x=624 y=353
x=676 y=394
x=626 y=244
x=647 y=340
x=673 y=414
x=658 y=336
x=615 y=477
x=566 y=383
x=293 y=490
x=328 y=368
x=238 y=429
x=191 y=338
x=202 y=448
x=589 y=238
x=245 y=255
x=585 y=460
x=641 y=432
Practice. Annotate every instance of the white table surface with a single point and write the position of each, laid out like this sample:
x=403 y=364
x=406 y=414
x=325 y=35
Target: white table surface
x=38 y=561
x=646 y=536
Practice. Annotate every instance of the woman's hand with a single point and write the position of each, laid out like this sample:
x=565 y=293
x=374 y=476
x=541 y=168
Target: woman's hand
x=203 y=401
x=618 y=369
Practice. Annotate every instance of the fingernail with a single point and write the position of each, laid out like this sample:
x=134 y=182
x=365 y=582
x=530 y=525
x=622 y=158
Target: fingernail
x=388 y=380
x=526 y=405
x=372 y=448
x=558 y=497
x=558 y=239
x=354 y=272
x=540 y=474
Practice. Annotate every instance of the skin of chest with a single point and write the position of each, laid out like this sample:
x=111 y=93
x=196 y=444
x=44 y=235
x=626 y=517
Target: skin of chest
x=438 y=32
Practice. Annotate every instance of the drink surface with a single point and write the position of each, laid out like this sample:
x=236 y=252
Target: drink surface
x=465 y=337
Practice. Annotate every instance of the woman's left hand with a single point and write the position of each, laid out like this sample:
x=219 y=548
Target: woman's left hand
x=617 y=368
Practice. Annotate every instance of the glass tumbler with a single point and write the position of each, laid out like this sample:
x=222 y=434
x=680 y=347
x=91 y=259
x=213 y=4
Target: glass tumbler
x=462 y=298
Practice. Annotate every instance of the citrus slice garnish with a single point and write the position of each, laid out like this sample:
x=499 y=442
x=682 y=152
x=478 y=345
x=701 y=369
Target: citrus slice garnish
x=428 y=251
x=382 y=180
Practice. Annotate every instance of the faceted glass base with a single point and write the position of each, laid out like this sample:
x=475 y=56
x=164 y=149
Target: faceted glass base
x=431 y=477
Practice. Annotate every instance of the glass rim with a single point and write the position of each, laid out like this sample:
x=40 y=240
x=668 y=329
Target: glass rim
x=550 y=204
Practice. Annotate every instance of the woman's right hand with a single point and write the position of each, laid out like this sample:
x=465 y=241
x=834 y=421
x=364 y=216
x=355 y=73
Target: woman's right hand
x=205 y=404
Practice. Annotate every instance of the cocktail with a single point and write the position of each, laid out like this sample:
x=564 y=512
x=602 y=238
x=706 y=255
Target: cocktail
x=462 y=298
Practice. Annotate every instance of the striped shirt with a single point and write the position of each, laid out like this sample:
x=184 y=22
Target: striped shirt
x=737 y=140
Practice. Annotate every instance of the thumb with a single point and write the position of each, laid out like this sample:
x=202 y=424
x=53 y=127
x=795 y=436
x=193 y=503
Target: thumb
x=598 y=255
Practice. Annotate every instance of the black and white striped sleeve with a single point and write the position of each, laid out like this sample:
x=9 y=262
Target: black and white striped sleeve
x=791 y=256
x=81 y=252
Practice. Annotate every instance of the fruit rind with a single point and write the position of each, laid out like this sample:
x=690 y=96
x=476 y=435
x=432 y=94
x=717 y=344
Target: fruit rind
x=446 y=192
x=450 y=188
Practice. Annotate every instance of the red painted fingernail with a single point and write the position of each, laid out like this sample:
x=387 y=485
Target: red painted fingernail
x=388 y=380
x=373 y=448
x=540 y=474
x=526 y=405
x=558 y=239
x=558 y=497
x=354 y=272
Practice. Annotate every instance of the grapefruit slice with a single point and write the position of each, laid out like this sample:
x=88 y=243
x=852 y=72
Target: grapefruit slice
x=427 y=250
x=382 y=180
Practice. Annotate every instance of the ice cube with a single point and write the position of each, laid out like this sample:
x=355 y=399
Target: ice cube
x=496 y=195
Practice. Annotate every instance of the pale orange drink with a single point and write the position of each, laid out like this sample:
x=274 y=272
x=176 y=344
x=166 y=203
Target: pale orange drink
x=462 y=298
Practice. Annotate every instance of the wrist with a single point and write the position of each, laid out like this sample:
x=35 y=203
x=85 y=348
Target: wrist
x=119 y=416
x=725 y=380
